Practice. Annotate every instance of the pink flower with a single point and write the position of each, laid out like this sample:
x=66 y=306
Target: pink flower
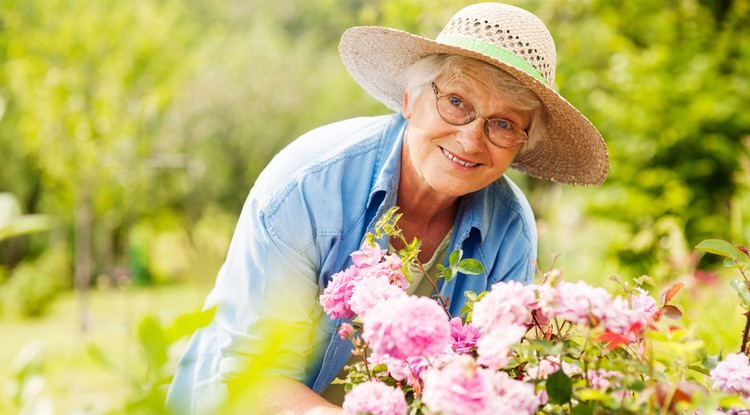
x=382 y=270
x=732 y=375
x=644 y=303
x=369 y=263
x=621 y=319
x=409 y=370
x=549 y=365
x=602 y=380
x=506 y=303
x=335 y=298
x=463 y=337
x=458 y=387
x=514 y=397
x=578 y=303
x=493 y=347
x=367 y=256
x=407 y=326
x=375 y=398
x=393 y=262
x=346 y=330
x=369 y=292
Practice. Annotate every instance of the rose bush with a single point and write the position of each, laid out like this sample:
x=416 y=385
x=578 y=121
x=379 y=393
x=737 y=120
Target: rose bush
x=553 y=347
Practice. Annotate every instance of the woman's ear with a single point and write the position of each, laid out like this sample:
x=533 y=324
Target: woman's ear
x=406 y=109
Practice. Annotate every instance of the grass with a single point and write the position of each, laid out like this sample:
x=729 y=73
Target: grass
x=74 y=381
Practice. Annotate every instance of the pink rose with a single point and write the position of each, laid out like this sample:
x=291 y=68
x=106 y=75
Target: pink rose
x=367 y=256
x=335 y=298
x=406 y=327
x=514 y=397
x=369 y=292
x=375 y=398
x=463 y=337
x=346 y=330
x=458 y=387
x=493 y=347
x=732 y=375
x=578 y=303
x=505 y=303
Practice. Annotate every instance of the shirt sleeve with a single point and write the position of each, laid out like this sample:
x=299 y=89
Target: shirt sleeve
x=268 y=317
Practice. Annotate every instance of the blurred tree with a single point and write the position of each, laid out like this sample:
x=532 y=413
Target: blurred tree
x=87 y=84
x=115 y=112
x=667 y=84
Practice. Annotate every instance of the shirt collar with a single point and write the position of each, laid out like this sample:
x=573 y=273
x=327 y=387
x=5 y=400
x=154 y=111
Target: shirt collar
x=384 y=186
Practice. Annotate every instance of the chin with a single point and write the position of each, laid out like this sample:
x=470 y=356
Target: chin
x=453 y=191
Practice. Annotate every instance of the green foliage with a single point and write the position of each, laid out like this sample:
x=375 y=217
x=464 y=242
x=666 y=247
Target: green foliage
x=664 y=82
x=456 y=264
x=156 y=341
x=34 y=285
x=165 y=249
x=25 y=392
x=735 y=256
x=559 y=388
x=13 y=223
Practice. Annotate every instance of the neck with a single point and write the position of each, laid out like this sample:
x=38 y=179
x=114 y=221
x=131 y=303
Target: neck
x=427 y=214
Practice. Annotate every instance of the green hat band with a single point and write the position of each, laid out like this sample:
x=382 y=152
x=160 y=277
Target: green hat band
x=495 y=51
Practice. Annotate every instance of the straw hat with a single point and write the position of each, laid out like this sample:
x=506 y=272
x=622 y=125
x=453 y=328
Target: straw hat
x=504 y=36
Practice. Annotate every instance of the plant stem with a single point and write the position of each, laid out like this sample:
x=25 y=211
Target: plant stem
x=439 y=297
x=364 y=360
x=743 y=348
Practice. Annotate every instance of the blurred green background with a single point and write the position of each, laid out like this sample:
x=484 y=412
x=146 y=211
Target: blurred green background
x=132 y=131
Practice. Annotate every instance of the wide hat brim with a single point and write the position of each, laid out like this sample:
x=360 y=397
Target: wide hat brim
x=573 y=151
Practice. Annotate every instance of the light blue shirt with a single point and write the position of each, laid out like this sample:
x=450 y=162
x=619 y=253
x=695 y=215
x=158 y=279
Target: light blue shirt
x=309 y=209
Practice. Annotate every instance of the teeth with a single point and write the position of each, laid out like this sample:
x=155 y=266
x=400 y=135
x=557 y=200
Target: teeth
x=457 y=160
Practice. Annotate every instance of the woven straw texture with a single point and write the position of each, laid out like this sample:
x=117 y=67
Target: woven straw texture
x=573 y=152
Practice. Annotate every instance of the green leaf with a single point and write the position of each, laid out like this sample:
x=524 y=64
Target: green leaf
x=406 y=270
x=186 y=324
x=455 y=257
x=742 y=291
x=588 y=394
x=710 y=361
x=730 y=263
x=151 y=337
x=644 y=280
x=470 y=266
x=719 y=247
x=732 y=401
x=25 y=224
x=582 y=410
x=699 y=368
x=559 y=388
x=449 y=274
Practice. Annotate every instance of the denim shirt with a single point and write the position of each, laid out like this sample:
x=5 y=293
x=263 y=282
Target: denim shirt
x=310 y=208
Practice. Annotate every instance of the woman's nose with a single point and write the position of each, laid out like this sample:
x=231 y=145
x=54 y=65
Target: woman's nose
x=471 y=135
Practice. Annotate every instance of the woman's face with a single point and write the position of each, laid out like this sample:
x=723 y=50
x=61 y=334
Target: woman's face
x=457 y=160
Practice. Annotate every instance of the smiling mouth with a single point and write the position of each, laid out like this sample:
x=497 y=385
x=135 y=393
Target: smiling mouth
x=455 y=159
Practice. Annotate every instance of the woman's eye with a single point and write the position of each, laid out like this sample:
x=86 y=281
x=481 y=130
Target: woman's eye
x=455 y=101
x=502 y=124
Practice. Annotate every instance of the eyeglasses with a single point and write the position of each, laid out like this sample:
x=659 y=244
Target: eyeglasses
x=455 y=111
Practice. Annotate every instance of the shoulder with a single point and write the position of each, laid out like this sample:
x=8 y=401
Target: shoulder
x=511 y=197
x=320 y=183
x=510 y=242
x=508 y=204
x=323 y=151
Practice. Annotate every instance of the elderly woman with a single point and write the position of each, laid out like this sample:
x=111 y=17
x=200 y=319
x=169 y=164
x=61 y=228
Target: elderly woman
x=470 y=104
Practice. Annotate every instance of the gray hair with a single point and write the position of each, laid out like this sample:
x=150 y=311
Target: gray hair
x=418 y=76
